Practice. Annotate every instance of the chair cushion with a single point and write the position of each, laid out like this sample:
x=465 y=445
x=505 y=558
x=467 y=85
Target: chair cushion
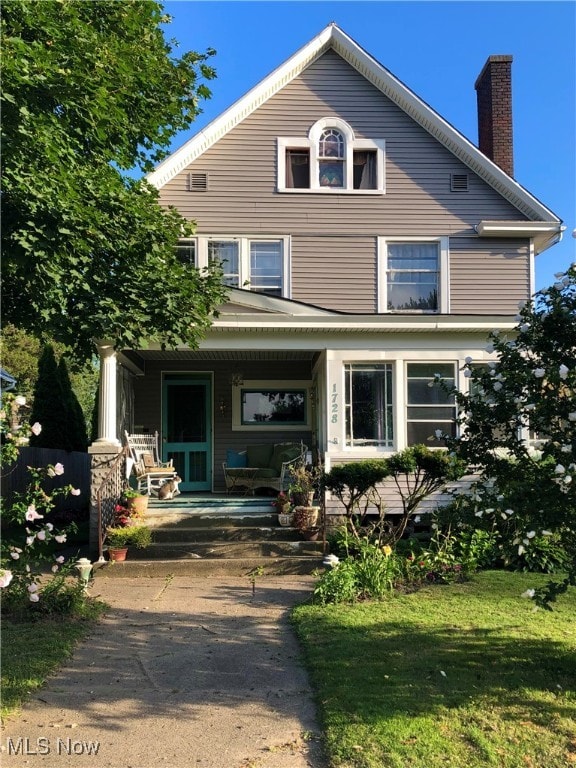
x=249 y=473
x=235 y=459
x=284 y=452
x=148 y=460
x=259 y=455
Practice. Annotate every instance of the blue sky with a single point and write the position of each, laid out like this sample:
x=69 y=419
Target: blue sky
x=435 y=48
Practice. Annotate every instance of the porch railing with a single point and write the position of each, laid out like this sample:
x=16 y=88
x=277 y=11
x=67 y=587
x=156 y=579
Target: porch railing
x=108 y=495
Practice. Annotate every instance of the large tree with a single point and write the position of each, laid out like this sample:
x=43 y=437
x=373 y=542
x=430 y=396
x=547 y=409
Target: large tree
x=518 y=428
x=91 y=91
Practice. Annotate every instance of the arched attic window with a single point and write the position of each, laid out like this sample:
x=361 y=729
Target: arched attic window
x=331 y=159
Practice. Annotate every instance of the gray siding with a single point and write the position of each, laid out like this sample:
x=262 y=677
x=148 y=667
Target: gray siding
x=336 y=272
x=494 y=280
x=242 y=197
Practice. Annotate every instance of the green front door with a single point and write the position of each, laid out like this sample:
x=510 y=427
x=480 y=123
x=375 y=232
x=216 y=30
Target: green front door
x=187 y=429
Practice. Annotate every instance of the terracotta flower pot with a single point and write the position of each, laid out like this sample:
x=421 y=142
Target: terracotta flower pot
x=117 y=554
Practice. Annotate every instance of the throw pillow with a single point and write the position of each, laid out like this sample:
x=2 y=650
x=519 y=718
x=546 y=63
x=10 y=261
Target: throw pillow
x=235 y=459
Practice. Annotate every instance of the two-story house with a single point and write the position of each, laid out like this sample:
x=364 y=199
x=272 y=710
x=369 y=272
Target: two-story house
x=367 y=244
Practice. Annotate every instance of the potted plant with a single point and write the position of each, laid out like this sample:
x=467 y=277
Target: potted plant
x=135 y=501
x=304 y=518
x=121 y=538
x=304 y=483
x=284 y=509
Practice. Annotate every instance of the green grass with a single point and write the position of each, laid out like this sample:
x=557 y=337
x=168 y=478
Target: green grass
x=32 y=650
x=507 y=696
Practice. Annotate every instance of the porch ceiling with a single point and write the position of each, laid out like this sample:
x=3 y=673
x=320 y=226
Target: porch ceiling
x=140 y=356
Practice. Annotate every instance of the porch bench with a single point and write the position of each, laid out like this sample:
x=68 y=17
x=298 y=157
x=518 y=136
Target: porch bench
x=263 y=465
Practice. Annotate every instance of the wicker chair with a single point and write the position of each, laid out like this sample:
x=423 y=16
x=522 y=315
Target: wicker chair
x=151 y=473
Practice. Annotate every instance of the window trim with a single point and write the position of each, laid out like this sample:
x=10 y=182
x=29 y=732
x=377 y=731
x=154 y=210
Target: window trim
x=201 y=242
x=310 y=143
x=443 y=279
x=270 y=384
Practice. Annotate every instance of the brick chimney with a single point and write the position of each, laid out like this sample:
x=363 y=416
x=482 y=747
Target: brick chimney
x=494 y=92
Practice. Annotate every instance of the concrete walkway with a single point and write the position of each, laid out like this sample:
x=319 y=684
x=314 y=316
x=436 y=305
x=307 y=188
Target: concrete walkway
x=181 y=672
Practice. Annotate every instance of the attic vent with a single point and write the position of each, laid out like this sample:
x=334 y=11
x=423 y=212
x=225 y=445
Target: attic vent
x=197 y=182
x=459 y=182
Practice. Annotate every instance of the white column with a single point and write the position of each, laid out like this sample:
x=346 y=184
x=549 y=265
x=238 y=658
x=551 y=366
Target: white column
x=107 y=402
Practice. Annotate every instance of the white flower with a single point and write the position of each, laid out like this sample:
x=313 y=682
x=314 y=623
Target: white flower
x=558 y=275
x=567 y=480
x=566 y=449
x=467 y=373
x=54 y=569
x=36 y=428
x=417 y=519
x=531 y=534
x=540 y=373
x=558 y=285
x=572 y=416
x=524 y=327
x=509 y=511
x=498 y=386
x=75 y=491
x=15 y=555
x=5 y=578
x=41 y=535
x=521 y=550
x=49 y=527
x=529 y=593
x=559 y=469
x=438 y=433
x=479 y=513
x=546 y=533
x=522 y=304
x=490 y=348
x=57 y=469
x=30 y=540
x=33 y=587
x=60 y=559
x=32 y=515
x=60 y=539
x=563 y=371
x=34 y=597
x=443 y=673
x=468 y=360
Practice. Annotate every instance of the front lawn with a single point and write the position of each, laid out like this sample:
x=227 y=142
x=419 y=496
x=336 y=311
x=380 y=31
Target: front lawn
x=460 y=676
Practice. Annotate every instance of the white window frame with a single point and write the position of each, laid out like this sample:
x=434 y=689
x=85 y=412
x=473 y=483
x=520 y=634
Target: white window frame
x=355 y=444
x=408 y=404
x=310 y=143
x=244 y=242
x=443 y=267
x=270 y=384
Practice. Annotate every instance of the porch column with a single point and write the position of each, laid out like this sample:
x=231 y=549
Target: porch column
x=108 y=398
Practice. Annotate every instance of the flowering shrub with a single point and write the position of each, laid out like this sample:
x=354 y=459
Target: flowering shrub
x=30 y=568
x=518 y=426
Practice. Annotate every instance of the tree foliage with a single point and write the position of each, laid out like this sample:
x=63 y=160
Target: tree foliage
x=91 y=90
x=518 y=425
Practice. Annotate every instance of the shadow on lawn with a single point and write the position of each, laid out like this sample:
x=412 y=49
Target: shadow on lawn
x=414 y=670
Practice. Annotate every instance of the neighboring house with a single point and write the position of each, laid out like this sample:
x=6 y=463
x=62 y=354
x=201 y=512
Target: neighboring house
x=368 y=246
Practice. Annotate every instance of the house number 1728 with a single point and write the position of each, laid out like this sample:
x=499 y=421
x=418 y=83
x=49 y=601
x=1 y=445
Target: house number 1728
x=334 y=405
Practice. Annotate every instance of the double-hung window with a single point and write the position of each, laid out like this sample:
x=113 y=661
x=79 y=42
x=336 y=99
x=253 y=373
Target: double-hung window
x=414 y=275
x=428 y=405
x=369 y=404
x=331 y=159
x=256 y=263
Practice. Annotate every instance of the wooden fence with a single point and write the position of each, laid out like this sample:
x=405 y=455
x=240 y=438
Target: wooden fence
x=76 y=465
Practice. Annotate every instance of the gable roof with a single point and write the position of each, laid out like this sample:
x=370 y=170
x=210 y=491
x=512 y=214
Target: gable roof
x=332 y=37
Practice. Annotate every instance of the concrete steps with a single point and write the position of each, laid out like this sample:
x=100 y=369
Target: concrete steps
x=210 y=536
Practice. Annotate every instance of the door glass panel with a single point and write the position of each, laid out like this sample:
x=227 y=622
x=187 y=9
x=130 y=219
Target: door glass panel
x=197 y=466
x=186 y=414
